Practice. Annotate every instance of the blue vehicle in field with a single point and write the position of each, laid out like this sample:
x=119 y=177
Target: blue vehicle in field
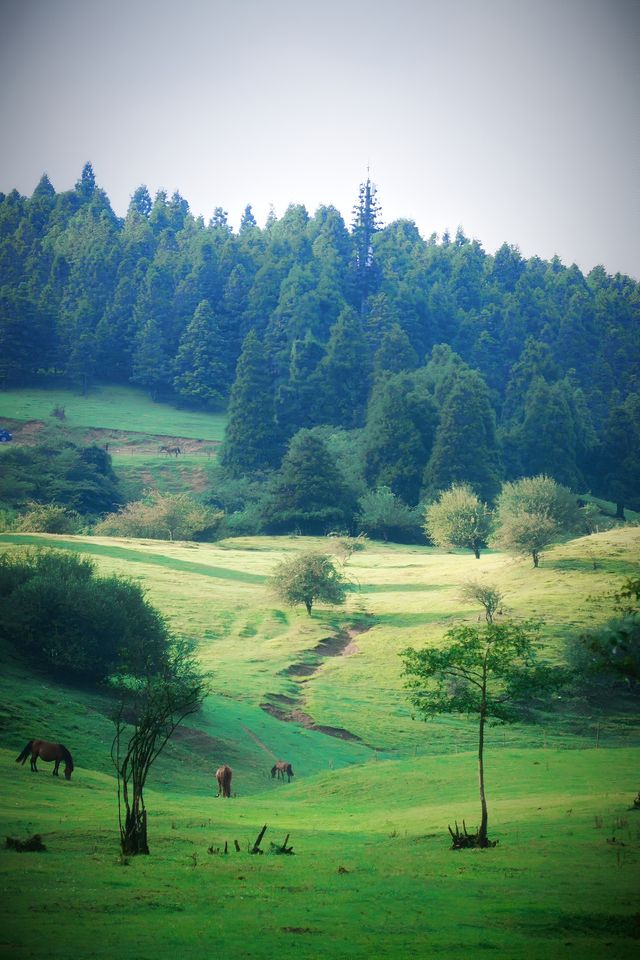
x=5 y=436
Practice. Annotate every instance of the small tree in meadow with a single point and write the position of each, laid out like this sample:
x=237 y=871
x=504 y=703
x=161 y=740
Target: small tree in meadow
x=149 y=710
x=490 y=673
x=485 y=594
x=458 y=518
x=308 y=578
x=533 y=512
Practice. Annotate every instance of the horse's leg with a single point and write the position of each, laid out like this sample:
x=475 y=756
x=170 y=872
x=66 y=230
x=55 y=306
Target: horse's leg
x=55 y=768
x=33 y=763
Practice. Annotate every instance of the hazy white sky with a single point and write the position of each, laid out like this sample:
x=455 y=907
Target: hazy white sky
x=517 y=119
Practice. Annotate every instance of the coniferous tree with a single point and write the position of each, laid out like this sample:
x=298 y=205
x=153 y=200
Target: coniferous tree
x=547 y=438
x=252 y=440
x=309 y=493
x=344 y=373
x=366 y=222
x=465 y=448
x=86 y=185
x=297 y=399
x=398 y=436
x=395 y=352
x=247 y=221
x=618 y=469
x=141 y=202
x=151 y=366
x=200 y=370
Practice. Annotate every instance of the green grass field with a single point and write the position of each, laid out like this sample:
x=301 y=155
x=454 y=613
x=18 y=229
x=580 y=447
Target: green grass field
x=111 y=408
x=372 y=872
x=132 y=427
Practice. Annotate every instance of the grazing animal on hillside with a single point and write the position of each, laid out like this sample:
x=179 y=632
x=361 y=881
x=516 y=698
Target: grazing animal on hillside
x=280 y=768
x=43 y=750
x=171 y=450
x=223 y=776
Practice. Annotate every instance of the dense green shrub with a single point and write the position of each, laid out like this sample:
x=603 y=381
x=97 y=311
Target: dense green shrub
x=60 y=615
x=384 y=516
x=59 y=472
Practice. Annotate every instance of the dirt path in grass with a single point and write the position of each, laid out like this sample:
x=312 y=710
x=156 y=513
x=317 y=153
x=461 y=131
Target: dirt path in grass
x=291 y=709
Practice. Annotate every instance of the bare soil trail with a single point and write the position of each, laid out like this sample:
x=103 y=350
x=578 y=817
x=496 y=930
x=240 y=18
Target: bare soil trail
x=291 y=709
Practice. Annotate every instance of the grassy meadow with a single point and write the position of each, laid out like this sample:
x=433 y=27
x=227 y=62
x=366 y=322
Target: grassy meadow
x=131 y=426
x=368 y=809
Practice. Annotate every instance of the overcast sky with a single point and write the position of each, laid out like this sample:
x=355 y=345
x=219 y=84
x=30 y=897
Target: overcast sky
x=517 y=119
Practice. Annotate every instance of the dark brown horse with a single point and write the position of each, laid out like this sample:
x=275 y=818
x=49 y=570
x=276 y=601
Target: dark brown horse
x=280 y=768
x=43 y=750
x=223 y=776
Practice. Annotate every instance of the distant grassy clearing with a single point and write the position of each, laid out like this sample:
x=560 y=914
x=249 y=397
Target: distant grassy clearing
x=112 y=407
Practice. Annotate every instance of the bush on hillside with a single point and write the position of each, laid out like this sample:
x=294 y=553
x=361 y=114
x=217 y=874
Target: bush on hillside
x=60 y=472
x=61 y=616
x=48 y=518
x=384 y=516
x=163 y=516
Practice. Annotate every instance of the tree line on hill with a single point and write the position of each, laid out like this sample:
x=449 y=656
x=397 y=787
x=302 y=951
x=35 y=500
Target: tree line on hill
x=372 y=361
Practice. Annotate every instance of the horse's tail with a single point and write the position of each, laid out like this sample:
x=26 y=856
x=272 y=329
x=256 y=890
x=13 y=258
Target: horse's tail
x=66 y=756
x=273 y=771
x=25 y=753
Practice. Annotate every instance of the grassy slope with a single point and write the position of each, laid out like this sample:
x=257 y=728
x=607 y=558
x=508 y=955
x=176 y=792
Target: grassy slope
x=134 y=427
x=111 y=407
x=554 y=884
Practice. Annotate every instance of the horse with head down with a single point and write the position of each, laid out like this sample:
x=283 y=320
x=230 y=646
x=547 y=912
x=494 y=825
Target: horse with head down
x=223 y=776
x=280 y=769
x=43 y=750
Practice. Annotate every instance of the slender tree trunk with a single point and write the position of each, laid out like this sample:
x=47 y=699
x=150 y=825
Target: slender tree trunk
x=619 y=511
x=308 y=604
x=133 y=839
x=536 y=557
x=482 y=833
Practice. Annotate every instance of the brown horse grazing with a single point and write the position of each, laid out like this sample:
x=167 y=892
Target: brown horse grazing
x=47 y=751
x=280 y=768
x=223 y=776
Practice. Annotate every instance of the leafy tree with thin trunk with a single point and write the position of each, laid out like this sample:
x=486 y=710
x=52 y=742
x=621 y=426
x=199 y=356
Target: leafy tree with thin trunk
x=533 y=512
x=149 y=711
x=487 y=672
x=458 y=518
x=308 y=578
x=488 y=596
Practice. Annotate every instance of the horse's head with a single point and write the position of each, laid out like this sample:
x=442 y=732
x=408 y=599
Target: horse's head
x=68 y=770
x=289 y=769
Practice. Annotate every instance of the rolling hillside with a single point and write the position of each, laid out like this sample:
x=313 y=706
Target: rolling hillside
x=370 y=803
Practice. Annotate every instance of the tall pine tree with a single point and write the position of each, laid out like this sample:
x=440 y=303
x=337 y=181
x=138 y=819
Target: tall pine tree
x=252 y=439
x=465 y=448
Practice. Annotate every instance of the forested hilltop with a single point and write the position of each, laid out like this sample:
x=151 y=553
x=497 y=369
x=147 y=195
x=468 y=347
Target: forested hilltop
x=378 y=363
